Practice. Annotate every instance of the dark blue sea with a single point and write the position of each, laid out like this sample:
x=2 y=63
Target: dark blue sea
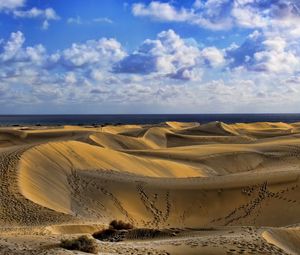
x=10 y=120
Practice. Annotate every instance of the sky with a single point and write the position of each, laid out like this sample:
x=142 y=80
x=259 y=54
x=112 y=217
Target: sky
x=122 y=57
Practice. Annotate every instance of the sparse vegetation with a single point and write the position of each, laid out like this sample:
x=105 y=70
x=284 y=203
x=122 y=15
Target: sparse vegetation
x=115 y=232
x=120 y=225
x=82 y=243
x=106 y=234
x=120 y=231
x=148 y=233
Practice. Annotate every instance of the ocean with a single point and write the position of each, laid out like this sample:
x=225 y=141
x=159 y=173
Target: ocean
x=10 y=120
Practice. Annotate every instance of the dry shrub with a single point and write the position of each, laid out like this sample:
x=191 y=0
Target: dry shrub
x=105 y=234
x=120 y=225
x=116 y=232
x=148 y=233
x=82 y=243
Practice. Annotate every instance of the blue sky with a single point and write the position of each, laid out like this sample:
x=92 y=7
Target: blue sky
x=112 y=56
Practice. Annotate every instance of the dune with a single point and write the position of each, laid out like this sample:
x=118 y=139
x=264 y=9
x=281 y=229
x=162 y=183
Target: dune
x=121 y=128
x=73 y=229
x=119 y=142
x=63 y=158
x=264 y=129
x=215 y=188
x=287 y=239
x=216 y=128
x=182 y=125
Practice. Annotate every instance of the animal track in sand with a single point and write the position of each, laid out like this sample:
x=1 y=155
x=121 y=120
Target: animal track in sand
x=258 y=194
x=15 y=209
x=159 y=215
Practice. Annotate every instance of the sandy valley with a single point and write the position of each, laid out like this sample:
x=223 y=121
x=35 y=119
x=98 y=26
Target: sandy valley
x=211 y=188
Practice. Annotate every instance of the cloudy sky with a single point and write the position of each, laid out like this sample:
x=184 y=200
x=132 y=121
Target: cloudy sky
x=113 y=56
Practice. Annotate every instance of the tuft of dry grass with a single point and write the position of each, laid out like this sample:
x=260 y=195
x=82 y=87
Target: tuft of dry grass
x=82 y=243
x=120 y=225
x=115 y=232
x=120 y=231
x=105 y=234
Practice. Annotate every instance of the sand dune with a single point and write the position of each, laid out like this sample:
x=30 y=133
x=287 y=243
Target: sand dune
x=222 y=189
x=285 y=238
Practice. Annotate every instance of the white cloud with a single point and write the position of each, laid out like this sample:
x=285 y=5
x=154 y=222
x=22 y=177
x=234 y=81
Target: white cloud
x=45 y=25
x=276 y=60
x=93 y=52
x=198 y=4
x=96 y=74
x=265 y=53
x=213 y=56
x=78 y=20
x=48 y=14
x=225 y=14
x=171 y=56
x=13 y=51
x=247 y=16
x=103 y=20
x=36 y=54
x=12 y=47
x=188 y=74
x=82 y=74
x=160 y=11
x=11 y=4
x=70 y=78
x=168 y=55
x=166 y=12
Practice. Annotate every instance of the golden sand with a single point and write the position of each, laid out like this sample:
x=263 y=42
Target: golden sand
x=225 y=189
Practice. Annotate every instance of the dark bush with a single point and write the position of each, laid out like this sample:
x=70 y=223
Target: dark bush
x=116 y=231
x=105 y=234
x=82 y=243
x=120 y=225
x=146 y=233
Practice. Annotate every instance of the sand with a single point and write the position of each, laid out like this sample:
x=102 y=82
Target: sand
x=222 y=189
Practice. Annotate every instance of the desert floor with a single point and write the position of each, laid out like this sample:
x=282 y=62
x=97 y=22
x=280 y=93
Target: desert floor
x=222 y=189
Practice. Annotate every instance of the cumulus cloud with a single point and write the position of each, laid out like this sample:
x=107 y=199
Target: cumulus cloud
x=96 y=74
x=12 y=47
x=160 y=11
x=213 y=56
x=46 y=14
x=225 y=14
x=70 y=78
x=261 y=69
x=276 y=57
x=188 y=74
x=263 y=53
x=91 y=55
x=11 y=4
x=247 y=15
x=34 y=76
x=17 y=8
x=13 y=51
x=171 y=56
x=93 y=52
x=212 y=18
